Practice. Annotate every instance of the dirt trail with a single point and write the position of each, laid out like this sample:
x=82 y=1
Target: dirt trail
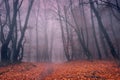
x=48 y=70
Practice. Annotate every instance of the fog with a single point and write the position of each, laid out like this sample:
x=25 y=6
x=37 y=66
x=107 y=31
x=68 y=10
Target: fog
x=62 y=30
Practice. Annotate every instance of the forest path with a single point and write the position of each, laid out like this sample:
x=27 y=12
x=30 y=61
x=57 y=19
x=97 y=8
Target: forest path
x=48 y=70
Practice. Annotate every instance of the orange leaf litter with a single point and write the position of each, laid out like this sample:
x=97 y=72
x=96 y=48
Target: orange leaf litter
x=75 y=70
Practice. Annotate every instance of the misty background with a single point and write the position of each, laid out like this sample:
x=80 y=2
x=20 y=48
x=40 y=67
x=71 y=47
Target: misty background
x=63 y=30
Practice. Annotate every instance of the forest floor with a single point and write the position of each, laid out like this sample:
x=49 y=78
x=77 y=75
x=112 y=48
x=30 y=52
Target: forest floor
x=74 y=70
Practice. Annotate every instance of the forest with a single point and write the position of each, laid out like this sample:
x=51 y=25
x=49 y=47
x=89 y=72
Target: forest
x=59 y=39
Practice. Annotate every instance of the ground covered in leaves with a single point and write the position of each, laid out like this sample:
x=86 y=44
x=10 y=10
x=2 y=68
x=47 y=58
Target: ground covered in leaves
x=75 y=70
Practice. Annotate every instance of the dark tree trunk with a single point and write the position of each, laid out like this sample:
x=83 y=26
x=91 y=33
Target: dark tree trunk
x=4 y=51
x=4 y=48
x=17 y=56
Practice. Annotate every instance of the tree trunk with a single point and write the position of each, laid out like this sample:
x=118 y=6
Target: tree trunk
x=94 y=34
x=62 y=33
x=86 y=50
x=4 y=48
x=4 y=51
